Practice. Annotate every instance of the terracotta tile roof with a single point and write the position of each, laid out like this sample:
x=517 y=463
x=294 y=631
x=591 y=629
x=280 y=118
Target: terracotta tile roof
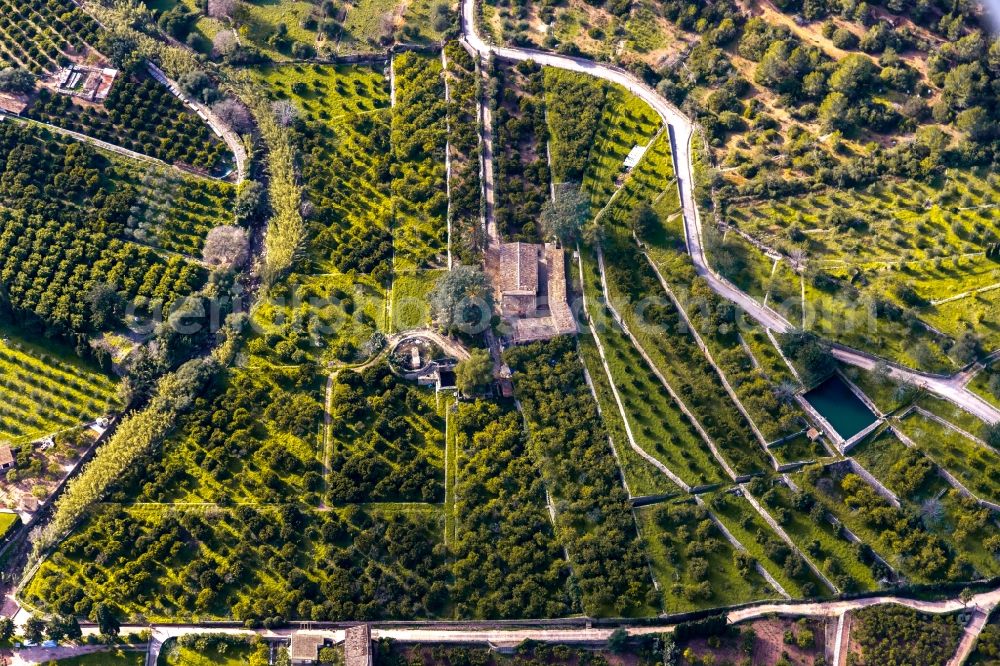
x=562 y=316
x=12 y=104
x=518 y=270
x=6 y=456
x=305 y=647
x=358 y=646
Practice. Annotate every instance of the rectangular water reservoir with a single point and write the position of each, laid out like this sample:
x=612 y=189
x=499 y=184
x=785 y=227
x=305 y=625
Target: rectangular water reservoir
x=843 y=410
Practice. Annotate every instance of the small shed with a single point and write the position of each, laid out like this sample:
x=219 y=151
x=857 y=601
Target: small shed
x=304 y=648
x=633 y=157
x=6 y=457
x=445 y=380
x=13 y=104
x=28 y=504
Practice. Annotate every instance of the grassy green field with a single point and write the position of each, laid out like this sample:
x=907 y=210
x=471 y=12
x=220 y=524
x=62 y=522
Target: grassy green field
x=981 y=384
x=766 y=355
x=638 y=297
x=420 y=23
x=784 y=293
x=683 y=364
x=8 y=521
x=886 y=394
x=852 y=320
x=799 y=448
x=742 y=264
x=410 y=298
x=693 y=562
x=261 y=20
x=890 y=461
x=853 y=228
x=978 y=313
x=650 y=182
x=364 y=22
x=951 y=413
x=173 y=654
x=205 y=27
x=46 y=388
x=637 y=36
x=967 y=525
x=744 y=354
x=325 y=318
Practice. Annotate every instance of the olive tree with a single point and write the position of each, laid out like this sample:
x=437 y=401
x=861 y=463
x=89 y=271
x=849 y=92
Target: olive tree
x=564 y=216
x=226 y=247
x=475 y=372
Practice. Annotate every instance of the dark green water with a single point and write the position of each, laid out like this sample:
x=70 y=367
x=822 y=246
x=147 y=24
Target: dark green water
x=845 y=412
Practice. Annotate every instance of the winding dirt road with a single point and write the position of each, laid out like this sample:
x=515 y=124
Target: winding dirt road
x=682 y=131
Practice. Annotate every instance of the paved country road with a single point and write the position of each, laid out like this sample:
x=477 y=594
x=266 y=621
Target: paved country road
x=682 y=130
x=488 y=633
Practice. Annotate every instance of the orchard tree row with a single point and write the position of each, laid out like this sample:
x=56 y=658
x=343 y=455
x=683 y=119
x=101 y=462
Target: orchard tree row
x=463 y=137
x=521 y=166
x=385 y=432
x=66 y=269
x=593 y=515
x=508 y=561
x=142 y=116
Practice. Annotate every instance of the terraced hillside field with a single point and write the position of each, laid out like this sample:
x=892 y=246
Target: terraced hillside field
x=923 y=268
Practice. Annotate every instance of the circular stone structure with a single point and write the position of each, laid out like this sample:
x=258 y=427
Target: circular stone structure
x=414 y=354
